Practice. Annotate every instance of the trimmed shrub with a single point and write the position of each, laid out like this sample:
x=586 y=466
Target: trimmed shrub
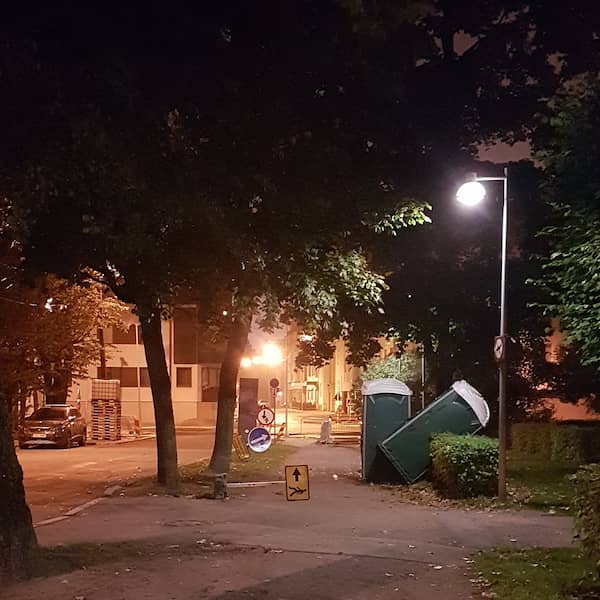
x=587 y=510
x=532 y=438
x=568 y=444
x=464 y=466
x=560 y=442
x=591 y=443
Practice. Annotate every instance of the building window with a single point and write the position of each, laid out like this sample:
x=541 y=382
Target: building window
x=124 y=337
x=144 y=377
x=184 y=377
x=210 y=383
x=185 y=334
x=128 y=376
x=210 y=377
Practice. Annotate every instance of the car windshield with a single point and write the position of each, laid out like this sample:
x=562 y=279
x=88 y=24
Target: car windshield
x=49 y=413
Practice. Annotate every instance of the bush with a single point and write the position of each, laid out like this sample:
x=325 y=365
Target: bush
x=464 y=466
x=532 y=438
x=560 y=442
x=587 y=510
x=568 y=444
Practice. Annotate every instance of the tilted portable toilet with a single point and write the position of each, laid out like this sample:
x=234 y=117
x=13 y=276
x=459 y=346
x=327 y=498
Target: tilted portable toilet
x=386 y=407
x=460 y=410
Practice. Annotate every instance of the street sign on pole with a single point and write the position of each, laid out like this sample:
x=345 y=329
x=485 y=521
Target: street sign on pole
x=296 y=482
x=499 y=348
x=259 y=439
x=266 y=416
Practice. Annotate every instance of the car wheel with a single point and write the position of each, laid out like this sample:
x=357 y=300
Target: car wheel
x=68 y=441
x=83 y=439
x=23 y=446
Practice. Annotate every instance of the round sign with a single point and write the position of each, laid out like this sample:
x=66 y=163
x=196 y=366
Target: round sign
x=265 y=416
x=274 y=383
x=499 y=348
x=259 y=439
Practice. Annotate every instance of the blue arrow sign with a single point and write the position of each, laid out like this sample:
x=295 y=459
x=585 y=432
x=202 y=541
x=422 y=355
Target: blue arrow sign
x=259 y=439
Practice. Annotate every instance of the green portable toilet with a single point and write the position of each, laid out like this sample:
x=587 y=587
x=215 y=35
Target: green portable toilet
x=386 y=407
x=460 y=410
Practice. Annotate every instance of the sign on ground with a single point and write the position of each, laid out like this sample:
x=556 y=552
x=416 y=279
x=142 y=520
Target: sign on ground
x=296 y=482
x=240 y=447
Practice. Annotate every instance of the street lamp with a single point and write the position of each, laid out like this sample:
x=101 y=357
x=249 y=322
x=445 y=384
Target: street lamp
x=472 y=193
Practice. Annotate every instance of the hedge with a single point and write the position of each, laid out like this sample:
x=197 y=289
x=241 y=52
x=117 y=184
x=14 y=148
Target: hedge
x=587 y=510
x=560 y=442
x=532 y=438
x=464 y=466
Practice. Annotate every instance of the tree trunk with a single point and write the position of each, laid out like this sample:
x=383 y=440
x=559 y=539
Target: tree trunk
x=447 y=33
x=160 y=383
x=236 y=345
x=17 y=536
x=22 y=407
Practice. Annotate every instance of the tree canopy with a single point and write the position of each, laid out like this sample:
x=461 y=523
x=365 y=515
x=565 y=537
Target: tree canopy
x=568 y=150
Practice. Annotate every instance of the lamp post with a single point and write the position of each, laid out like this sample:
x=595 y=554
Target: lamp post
x=471 y=194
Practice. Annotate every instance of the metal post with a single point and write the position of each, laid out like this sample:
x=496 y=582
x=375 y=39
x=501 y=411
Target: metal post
x=287 y=379
x=502 y=416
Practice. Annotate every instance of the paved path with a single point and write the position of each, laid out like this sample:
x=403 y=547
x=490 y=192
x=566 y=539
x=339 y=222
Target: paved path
x=350 y=540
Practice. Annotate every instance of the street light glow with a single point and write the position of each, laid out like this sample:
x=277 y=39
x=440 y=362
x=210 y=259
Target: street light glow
x=470 y=193
x=272 y=355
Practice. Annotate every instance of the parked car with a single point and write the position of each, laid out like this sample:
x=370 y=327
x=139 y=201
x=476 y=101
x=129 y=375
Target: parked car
x=57 y=425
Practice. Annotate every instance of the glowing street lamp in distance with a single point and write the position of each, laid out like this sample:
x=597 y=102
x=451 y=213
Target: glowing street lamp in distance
x=272 y=355
x=470 y=193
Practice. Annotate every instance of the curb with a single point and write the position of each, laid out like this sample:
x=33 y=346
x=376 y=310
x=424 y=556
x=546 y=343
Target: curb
x=70 y=513
x=73 y=512
x=101 y=443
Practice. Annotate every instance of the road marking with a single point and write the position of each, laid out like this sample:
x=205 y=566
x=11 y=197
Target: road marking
x=85 y=464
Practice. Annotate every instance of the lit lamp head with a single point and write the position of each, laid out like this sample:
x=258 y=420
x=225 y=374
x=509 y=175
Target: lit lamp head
x=470 y=193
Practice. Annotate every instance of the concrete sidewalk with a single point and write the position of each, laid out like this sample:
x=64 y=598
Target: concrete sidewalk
x=351 y=540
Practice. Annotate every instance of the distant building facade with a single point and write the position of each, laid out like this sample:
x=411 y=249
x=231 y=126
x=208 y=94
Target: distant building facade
x=194 y=365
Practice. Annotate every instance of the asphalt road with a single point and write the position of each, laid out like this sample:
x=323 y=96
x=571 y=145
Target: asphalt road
x=57 y=480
